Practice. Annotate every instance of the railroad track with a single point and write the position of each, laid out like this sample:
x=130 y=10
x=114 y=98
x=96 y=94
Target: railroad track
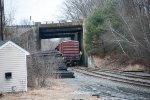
x=130 y=75
x=142 y=82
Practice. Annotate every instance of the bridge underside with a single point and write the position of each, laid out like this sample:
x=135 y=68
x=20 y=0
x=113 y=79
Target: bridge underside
x=60 y=32
x=75 y=32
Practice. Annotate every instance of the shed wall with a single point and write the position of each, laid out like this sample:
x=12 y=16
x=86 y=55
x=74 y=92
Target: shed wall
x=13 y=60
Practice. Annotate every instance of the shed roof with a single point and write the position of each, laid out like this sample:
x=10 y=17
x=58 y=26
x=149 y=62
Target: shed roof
x=4 y=43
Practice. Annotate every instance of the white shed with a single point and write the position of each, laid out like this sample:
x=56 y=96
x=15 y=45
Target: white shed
x=13 y=67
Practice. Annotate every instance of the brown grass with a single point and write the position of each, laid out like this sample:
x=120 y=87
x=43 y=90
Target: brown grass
x=98 y=61
x=121 y=62
x=135 y=68
x=61 y=91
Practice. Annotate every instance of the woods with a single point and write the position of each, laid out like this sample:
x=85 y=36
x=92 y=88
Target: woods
x=117 y=27
x=122 y=25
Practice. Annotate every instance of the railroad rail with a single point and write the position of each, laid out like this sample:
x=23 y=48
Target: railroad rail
x=126 y=74
x=142 y=81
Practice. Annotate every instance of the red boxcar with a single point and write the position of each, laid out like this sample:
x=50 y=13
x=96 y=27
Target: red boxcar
x=70 y=51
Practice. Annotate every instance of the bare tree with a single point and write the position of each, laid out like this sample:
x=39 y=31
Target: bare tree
x=135 y=40
x=9 y=21
x=25 y=22
x=10 y=17
x=79 y=9
x=42 y=68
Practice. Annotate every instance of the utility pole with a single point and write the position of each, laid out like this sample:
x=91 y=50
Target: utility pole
x=1 y=19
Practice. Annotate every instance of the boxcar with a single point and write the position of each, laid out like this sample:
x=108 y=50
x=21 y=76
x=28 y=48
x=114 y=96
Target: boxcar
x=70 y=52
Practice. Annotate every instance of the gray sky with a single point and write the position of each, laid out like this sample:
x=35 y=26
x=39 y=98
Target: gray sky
x=40 y=10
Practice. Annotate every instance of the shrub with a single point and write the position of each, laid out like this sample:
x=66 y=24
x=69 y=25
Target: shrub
x=97 y=29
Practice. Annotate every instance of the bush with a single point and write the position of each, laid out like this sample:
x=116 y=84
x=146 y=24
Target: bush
x=42 y=68
x=97 y=29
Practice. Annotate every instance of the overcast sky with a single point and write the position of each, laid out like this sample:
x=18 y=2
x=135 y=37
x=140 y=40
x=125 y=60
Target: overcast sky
x=39 y=10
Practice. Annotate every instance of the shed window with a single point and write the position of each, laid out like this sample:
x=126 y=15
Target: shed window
x=8 y=75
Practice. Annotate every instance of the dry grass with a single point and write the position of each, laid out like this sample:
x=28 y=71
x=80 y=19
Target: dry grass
x=135 y=68
x=120 y=62
x=98 y=61
x=61 y=91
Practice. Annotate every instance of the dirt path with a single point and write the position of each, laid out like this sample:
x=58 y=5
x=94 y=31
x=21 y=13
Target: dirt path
x=60 y=91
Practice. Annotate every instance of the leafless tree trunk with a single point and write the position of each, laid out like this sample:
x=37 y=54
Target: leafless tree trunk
x=135 y=16
x=79 y=9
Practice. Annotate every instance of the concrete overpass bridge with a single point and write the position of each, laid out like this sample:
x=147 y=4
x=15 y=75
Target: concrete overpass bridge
x=74 y=30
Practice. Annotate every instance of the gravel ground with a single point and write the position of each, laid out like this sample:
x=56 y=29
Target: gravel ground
x=82 y=87
x=105 y=89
